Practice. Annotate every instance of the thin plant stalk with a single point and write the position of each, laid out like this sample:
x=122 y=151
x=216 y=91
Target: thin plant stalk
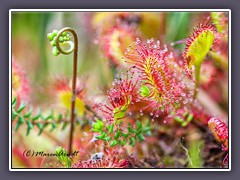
x=220 y=60
x=74 y=78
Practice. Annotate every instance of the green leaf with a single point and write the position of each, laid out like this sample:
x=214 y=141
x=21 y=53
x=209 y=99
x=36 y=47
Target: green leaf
x=36 y=117
x=139 y=131
x=41 y=130
x=198 y=50
x=146 y=129
x=98 y=137
x=47 y=117
x=60 y=116
x=122 y=142
x=14 y=114
x=178 y=119
x=185 y=113
x=113 y=143
x=124 y=135
x=195 y=154
x=119 y=113
x=28 y=131
x=190 y=118
x=28 y=114
x=131 y=130
x=118 y=121
x=184 y=124
x=102 y=136
x=14 y=102
x=58 y=150
x=21 y=119
x=140 y=138
x=30 y=126
x=17 y=126
x=148 y=133
x=64 y=125
x=117 y=135
x=63 y=158
x=95 y=130
x=97 y=126
x=132 y=141
x=40 y=126
x=54 y=125
x=69 y=163
x=144 y=91
x=107 y=138
x=21 y=107
x=111 y=127
x=138 y=125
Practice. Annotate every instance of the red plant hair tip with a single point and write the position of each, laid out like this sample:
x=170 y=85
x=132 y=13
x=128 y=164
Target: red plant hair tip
x=220 y=131
x=161 y=77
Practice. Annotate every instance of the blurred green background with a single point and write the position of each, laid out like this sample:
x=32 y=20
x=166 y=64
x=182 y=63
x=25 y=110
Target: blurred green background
x=30 y=46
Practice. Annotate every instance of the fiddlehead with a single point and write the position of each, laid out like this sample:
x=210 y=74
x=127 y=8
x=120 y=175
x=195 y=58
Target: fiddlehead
x=59 y=38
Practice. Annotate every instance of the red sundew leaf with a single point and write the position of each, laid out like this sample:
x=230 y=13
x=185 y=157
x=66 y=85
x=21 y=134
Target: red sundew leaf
x=120 y=96
x=160 y=75
x=220 y=131
x=198 y=45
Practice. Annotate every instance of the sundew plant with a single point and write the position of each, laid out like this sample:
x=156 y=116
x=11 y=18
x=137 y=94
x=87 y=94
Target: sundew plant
x=120 y=90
